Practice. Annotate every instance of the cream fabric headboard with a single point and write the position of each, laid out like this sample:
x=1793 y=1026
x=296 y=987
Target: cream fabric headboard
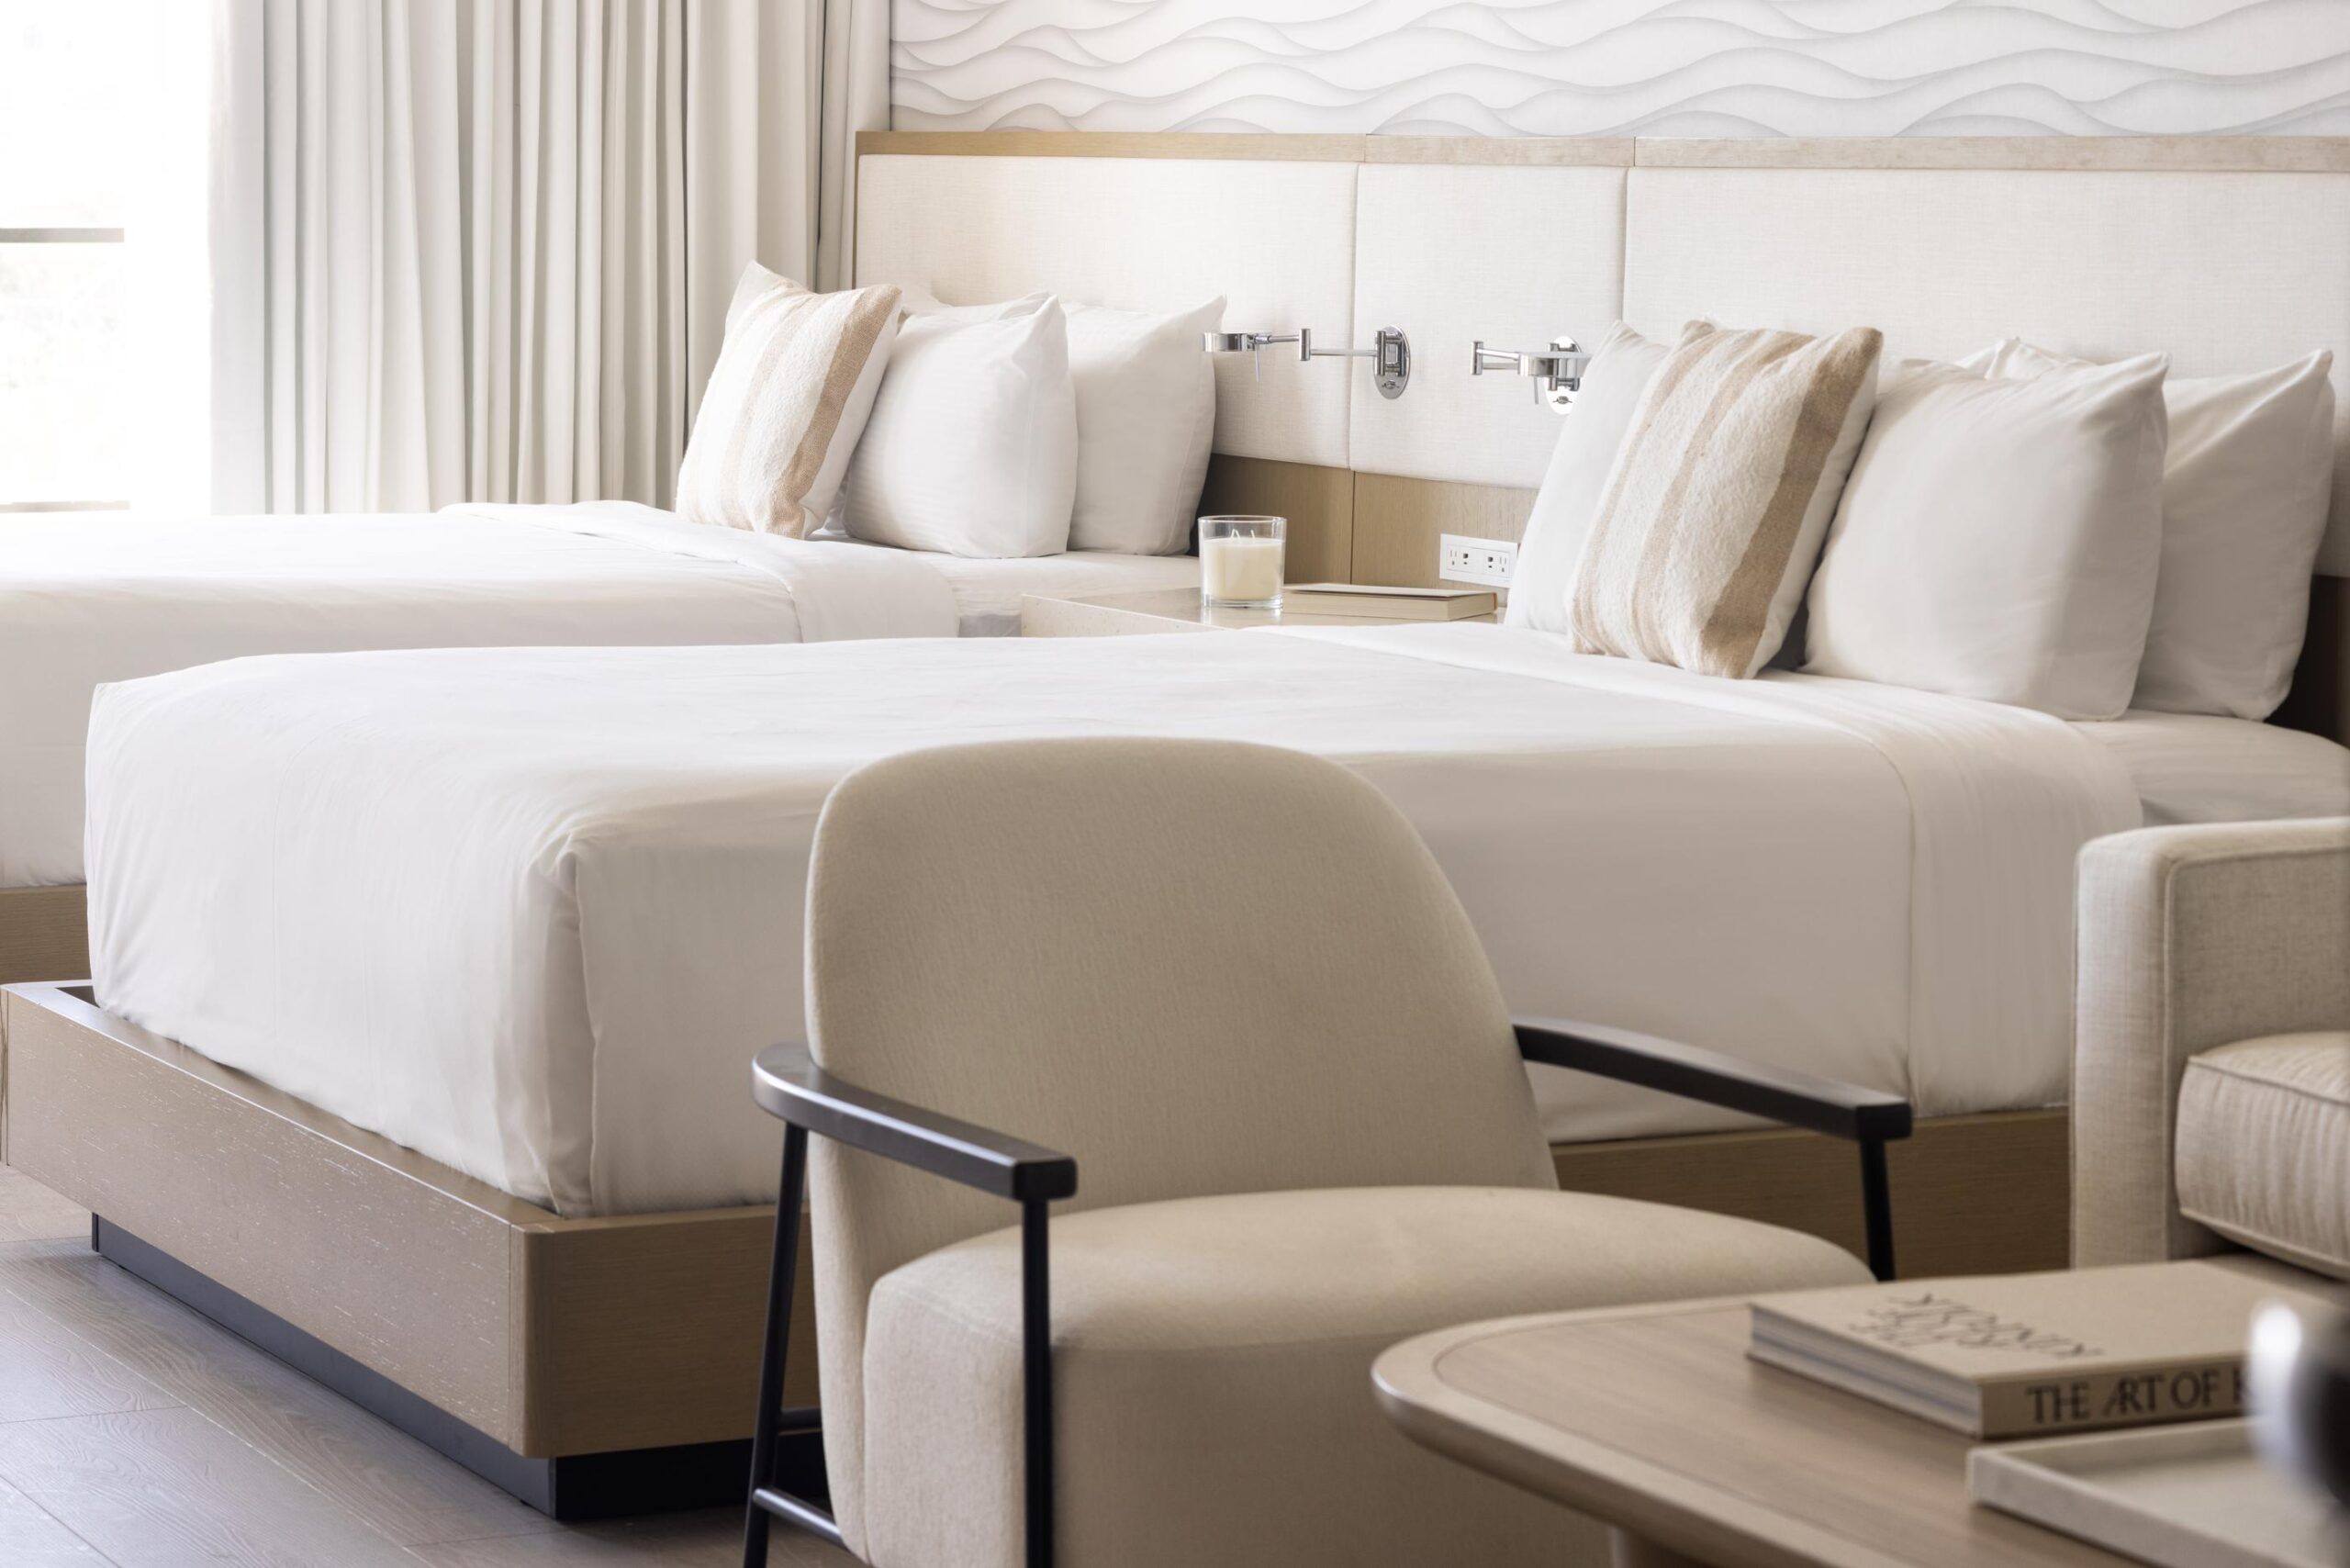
x=1515 y=257
x=1276 y=238
x=2233 y=253
x=2227 y=271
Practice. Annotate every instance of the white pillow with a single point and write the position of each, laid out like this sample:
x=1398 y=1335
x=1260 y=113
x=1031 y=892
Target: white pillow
x=1146 y=415
x=2000 y=539
x=1544 y=581
x=1543 y=584
x=785 y=405
x=972 y=446
x=2246 y=485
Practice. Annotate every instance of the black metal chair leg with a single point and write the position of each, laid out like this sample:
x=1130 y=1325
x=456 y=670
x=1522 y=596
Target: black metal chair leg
x=1877 y=1202
x=1036 y=1381
x=782 y=1269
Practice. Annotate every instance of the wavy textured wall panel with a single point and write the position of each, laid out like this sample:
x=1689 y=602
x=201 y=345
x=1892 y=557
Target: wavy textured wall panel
x=1603 y=67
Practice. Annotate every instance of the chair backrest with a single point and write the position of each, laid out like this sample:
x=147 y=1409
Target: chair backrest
x=1198 y=966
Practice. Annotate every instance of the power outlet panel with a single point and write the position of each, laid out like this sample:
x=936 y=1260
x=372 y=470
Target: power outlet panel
x=1463 y=558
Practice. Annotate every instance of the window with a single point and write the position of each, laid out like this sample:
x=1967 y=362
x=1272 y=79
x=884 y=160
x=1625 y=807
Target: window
x=66 y=133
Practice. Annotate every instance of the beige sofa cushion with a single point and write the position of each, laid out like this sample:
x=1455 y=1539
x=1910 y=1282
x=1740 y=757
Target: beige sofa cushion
x=2264 y=1146
x=1211 y=1371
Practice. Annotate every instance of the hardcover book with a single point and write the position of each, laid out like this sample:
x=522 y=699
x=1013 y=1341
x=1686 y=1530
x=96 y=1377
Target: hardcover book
x=2016 y=1355
x=1390 y=603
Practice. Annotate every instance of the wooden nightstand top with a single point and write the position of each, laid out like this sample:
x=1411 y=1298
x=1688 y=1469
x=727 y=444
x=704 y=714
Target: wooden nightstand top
x=1167 y=609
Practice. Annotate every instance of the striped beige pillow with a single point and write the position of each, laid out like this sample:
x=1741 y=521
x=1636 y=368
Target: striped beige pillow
x=1713 y=515
x=785 y=402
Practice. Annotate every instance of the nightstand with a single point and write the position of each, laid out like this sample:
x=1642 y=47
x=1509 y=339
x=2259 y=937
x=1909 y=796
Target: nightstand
x=1167 y=609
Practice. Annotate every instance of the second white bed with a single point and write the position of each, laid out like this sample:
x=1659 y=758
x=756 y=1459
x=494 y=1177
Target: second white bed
x=531 y=911
x=85 y=600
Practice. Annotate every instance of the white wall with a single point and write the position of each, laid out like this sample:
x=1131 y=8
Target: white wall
x=1596 y=67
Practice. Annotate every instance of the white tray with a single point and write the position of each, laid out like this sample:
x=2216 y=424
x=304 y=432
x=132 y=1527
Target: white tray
x=2185 y=1496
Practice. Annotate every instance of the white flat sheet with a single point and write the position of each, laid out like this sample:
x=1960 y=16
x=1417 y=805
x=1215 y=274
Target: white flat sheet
x=85 y=600
x=531 y=912
x=2191 y=767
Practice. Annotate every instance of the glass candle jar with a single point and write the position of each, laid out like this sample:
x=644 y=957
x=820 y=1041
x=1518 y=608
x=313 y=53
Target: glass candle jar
x=1240 y=561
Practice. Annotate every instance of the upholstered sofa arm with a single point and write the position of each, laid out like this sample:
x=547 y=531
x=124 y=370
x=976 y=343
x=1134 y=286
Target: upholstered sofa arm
x=2188 y=938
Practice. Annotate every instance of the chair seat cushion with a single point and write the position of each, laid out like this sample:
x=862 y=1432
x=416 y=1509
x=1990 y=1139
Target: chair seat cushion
x=2264 y=1146
x=1212 y=1365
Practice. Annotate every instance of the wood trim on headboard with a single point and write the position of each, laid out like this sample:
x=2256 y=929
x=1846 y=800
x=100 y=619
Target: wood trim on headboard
x=2142 y=154
x=1318 y=501
x=1605 y=151
x=1245 y=145
x=2134 y=154
x=1397 y=521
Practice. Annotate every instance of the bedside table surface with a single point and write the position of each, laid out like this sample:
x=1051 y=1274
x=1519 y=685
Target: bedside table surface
x=1173 y=609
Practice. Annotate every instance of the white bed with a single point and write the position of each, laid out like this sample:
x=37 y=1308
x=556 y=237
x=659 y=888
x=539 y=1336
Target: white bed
x=2192 y=768
x=530 y=911
x=86 y=599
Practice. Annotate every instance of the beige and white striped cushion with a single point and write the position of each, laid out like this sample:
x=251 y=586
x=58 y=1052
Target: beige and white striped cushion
x=1713 y=515
x=790 y=395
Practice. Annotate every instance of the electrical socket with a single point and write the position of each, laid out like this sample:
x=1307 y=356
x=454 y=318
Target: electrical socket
x=1464 y=559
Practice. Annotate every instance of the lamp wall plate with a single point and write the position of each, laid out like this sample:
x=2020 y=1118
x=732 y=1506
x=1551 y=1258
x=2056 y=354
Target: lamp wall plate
x=1557 y=372
x=1391 y=368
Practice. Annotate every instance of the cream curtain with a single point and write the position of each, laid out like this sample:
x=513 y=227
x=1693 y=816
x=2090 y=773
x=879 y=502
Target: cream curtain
x=481 y=249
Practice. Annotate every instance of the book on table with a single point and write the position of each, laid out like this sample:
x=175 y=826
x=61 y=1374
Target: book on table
x=1390 y=603
x=2012 y=1355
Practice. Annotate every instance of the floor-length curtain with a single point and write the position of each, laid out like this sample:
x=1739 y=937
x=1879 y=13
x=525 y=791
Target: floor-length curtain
x=770 y=174
x=481 y=249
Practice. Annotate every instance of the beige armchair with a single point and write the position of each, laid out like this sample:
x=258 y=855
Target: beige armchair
x=2211 y=1074
x=1228 y=986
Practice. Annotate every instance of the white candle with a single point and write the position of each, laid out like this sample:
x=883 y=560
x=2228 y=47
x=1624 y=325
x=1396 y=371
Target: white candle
x=1240 y=568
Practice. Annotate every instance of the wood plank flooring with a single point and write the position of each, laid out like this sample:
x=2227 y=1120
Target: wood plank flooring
x=135 y=1432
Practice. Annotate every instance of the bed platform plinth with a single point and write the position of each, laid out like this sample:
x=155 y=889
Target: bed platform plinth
x=586 y=1365
x=603 y=1366
x=44 y=933
x=571 y=1488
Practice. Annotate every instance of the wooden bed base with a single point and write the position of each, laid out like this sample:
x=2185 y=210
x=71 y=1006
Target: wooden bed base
x=595 y=1366
x=44 y=933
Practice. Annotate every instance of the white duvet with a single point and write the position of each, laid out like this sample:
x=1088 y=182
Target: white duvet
x=531 y=912
x=85 y=600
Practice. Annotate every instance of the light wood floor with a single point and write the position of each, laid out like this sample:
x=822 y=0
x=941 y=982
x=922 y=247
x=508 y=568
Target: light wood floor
x=133 y=1431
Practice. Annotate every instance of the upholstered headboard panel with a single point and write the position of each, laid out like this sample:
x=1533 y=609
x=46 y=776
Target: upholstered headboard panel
x=2226 y=271
x=1276 y=238
x=1515 y=257
x=2232 y=253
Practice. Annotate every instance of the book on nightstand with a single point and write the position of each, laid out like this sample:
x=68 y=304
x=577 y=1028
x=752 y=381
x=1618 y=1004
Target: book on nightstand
x=2014 y=1355
x=1389 y=603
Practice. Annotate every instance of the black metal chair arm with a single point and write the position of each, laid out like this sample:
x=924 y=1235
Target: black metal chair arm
x=789 y=1084
x=1795 y=1099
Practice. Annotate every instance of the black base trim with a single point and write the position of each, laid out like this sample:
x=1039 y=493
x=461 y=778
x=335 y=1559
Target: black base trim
x=567 y=1487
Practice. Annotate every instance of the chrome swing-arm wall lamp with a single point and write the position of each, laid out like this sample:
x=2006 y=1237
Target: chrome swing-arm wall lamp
x=1557 y=372
x=1391 y=353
